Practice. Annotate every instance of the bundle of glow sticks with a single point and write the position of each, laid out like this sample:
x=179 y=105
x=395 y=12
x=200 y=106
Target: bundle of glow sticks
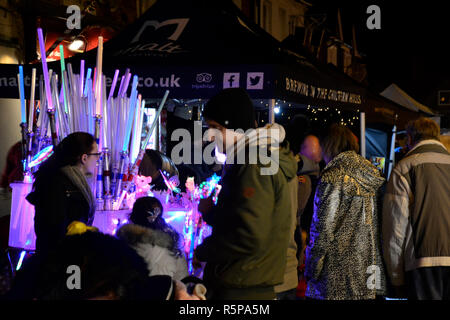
x=72 y=102
x=210 y=187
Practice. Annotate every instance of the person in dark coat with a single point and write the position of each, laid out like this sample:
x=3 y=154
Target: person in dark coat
x=247 y=251
x=61 y=193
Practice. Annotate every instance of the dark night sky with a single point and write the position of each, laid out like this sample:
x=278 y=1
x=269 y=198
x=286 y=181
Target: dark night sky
x=410 y=49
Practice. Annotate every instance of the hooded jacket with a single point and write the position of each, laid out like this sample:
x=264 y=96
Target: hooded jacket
x=416 y=211
x=154 y=246
x=251 y=221
x=343 y=258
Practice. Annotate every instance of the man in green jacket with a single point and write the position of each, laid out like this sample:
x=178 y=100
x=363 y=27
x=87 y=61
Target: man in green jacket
x=246 y=252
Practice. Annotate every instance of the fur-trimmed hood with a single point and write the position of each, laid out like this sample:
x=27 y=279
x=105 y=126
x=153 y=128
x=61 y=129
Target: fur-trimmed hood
x=135 y=234
x=352 y=169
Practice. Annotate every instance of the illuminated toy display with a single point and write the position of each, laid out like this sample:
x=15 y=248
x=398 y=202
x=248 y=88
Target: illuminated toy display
x=72 y=102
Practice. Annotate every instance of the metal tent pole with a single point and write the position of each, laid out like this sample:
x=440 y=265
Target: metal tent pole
x=363 y=133
x=272 y=111
x=391 y=162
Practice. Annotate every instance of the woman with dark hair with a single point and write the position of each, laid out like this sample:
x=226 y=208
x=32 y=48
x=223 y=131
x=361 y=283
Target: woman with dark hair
x=343 y=257
x=61 y=193
x=155 y=240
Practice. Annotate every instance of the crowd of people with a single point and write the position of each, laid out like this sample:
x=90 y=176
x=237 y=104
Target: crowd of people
x=325 y=225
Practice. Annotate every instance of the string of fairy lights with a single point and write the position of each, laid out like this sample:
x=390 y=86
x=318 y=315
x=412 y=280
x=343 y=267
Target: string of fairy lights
x=318 y=115
x=285 y=111
x=329 y=115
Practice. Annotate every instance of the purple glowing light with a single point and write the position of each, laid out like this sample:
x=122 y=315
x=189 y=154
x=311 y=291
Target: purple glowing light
x=45 y=69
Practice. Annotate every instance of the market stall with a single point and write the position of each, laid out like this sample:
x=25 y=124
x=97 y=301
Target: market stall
x=193 y=50
x=71 y=102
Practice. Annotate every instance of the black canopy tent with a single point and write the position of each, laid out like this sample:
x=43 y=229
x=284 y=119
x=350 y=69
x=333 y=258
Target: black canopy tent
x=382 y=117
x=195 y=48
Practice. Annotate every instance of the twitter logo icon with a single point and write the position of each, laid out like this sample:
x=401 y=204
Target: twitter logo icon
x=255 y=80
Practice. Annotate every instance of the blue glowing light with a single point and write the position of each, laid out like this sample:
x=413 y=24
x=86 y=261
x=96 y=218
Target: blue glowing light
x=209 y=186
x=19 y=264
x=174 y=215
x=89 y=71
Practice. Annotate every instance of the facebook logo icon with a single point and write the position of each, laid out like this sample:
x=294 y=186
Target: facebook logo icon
x=231 y=80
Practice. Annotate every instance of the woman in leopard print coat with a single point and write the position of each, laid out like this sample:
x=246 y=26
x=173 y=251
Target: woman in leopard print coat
x=343 y=258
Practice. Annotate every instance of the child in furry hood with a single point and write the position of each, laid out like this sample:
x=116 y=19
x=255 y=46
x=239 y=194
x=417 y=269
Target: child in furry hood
x=154 y=240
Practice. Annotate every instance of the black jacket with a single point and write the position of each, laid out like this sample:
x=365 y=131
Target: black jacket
x=58 y=202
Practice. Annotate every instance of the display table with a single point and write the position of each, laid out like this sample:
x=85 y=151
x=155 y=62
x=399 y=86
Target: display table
x=181 y=214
